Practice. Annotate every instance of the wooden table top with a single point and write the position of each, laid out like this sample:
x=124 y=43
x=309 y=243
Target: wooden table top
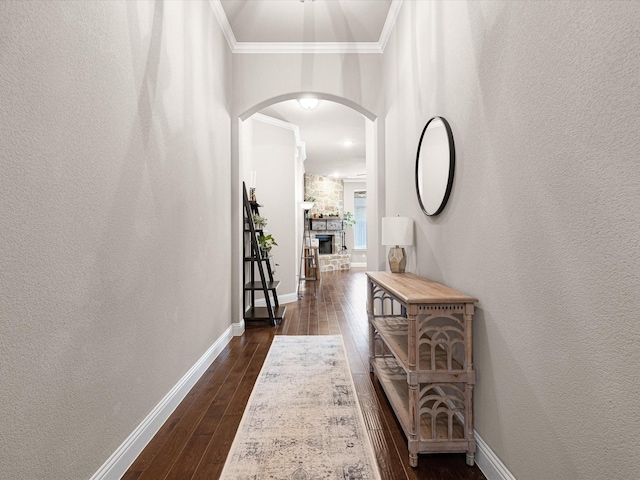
x=412 y=289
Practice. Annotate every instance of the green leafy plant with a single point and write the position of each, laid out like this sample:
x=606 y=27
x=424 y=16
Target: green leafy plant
x=309 y=198
x=259 y=221
x=266 y=242
x=349 y=219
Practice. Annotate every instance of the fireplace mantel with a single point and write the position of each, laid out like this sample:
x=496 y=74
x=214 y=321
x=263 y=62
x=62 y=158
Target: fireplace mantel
x=326 y=224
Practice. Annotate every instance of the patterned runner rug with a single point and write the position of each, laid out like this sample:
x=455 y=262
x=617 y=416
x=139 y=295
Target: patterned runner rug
x=303 y=420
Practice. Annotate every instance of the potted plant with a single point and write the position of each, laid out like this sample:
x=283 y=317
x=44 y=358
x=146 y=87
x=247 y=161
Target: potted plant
x=259 y=222
x=266 y=242
x=349 y=220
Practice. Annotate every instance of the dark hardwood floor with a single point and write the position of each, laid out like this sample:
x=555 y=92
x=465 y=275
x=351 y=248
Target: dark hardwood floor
x=195 y=440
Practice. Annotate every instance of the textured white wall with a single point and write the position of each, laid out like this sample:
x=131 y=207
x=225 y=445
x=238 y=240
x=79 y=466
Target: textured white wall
x=260 y=77
x=543 y=224
x=274 y=161
x=114 y=215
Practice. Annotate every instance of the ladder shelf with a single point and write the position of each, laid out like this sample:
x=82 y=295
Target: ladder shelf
x=262 y=280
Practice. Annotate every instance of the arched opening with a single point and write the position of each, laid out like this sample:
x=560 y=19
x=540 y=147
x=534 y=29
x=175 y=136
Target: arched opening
x=321 y=96
x=374 y=167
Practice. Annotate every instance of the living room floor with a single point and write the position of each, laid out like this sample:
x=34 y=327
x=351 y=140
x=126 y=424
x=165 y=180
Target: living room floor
x=195 y=440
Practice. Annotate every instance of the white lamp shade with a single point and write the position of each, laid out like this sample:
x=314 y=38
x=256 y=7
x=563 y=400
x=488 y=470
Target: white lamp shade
x=306 y=205
x=397 y=231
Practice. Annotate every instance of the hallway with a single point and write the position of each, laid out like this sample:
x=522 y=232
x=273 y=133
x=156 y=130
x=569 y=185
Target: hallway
x=194 y=442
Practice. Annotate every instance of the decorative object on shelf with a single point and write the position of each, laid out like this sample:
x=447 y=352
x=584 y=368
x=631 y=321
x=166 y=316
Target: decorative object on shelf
x=397 y=231
x=266 y=243
x=334 y=225
x=259 y=222
x=321 y=224
x=435 y=165
x=252 y=187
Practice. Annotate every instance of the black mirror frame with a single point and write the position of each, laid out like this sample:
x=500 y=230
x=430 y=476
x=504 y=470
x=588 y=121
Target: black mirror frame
x=452 y=165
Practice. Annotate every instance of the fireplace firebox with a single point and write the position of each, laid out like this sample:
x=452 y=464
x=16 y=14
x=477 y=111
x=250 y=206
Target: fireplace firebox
x=325 y=244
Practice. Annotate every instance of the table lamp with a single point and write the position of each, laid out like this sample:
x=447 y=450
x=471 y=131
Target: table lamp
x=397 y=231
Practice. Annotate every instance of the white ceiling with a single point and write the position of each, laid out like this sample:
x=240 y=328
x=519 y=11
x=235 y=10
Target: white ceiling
x=309 y=21
x=320 y=26
x=324 y=131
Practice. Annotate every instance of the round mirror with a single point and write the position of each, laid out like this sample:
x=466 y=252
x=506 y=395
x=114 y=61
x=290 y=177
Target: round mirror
x=435 y=164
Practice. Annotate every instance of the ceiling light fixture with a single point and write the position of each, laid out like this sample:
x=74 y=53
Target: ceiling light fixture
x=308 y=103
x=302 y=1
x=348 y=143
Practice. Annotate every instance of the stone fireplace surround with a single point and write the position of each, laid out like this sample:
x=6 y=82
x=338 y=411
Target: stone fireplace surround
x=336 y=260
x=329 y=199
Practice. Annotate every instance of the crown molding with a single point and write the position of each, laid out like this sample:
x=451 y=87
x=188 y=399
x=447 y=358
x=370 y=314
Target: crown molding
x=355 y=180
x=307 y=47
x=277 y=123
x=389 y=23
x=221 y=16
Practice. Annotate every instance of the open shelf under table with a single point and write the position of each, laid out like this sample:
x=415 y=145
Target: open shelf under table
x=395 y=333
x=394 y=383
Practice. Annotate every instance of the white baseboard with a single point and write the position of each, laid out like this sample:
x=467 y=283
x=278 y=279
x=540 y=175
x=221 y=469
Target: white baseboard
x=489 y=462
x=118 y=463
x=237 y=328
x=287 y=298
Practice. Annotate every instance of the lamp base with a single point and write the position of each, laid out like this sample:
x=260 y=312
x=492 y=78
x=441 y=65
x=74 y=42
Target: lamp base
x=397 y=259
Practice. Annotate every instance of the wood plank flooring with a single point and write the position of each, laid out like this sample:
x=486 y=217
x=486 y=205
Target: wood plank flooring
x=194 y=442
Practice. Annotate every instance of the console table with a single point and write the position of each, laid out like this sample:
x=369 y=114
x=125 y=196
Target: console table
x=420 y=349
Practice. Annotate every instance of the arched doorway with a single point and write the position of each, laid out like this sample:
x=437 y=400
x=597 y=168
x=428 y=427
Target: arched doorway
x=374 y=136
